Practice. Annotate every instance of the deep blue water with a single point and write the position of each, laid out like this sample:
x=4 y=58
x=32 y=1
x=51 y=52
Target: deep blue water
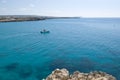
x=76 y=44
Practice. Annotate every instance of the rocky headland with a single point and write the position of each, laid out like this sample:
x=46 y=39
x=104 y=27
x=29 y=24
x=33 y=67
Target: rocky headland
x=63 y=74
x=19 y=18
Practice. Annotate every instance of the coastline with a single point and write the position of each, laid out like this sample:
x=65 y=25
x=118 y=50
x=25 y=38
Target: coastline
x=21 y=18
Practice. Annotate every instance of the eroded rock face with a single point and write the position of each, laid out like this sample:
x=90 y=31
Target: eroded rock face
x=59 y=74
x=97 y=75
x=63 y=74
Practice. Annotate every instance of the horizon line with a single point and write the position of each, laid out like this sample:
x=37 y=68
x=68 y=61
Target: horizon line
x=58 y=16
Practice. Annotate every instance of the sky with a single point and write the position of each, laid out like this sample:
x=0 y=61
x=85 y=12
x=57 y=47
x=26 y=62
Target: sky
x=76 y=8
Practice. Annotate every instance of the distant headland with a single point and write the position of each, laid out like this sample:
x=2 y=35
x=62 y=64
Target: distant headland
x=19 y=18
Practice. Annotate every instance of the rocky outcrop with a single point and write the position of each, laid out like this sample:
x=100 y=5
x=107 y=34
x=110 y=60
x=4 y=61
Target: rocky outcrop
x=58 y=74
x=63 y=74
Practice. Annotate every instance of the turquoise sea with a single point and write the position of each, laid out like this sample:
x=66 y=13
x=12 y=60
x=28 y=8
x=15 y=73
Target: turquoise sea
x=85 y=44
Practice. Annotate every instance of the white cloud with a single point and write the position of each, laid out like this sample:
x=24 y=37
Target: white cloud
x=3 y=9
x=32 y=5
x=3 y=1
x=24 y=9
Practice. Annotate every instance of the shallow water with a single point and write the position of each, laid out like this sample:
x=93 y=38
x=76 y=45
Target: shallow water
x=76 y=44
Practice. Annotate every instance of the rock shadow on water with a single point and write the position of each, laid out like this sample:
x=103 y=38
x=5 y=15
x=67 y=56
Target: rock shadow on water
x=84 y=64
x=41 y=72
x=12 y=66
x=25 y=71
x=57 y=63
x=113 y=69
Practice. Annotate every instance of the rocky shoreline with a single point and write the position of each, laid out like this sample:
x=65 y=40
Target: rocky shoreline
x=20 y=18
x=63 y=74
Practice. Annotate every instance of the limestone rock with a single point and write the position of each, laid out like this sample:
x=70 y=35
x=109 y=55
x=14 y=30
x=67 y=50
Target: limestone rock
x=58 y=74
x=63 y=74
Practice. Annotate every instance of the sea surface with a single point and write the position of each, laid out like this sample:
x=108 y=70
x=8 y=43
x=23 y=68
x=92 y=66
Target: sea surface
x=85 y=44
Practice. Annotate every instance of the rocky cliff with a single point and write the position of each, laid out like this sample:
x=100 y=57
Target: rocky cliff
x=63 y=74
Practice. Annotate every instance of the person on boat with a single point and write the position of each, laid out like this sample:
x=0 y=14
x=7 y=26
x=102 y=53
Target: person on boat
x=44 y=30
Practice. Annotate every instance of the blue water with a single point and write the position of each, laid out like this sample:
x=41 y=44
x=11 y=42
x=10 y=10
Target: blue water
x=85 y=44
